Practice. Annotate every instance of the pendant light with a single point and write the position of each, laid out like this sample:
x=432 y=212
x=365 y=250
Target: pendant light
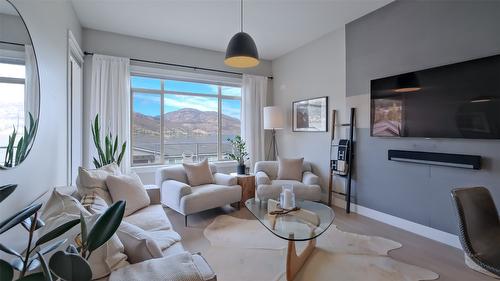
x=241 y=51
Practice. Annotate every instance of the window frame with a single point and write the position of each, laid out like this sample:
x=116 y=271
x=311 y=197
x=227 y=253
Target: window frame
x=164 y=74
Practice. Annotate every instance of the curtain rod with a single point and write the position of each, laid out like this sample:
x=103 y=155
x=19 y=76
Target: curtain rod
x=11 y=43
x=183 y=65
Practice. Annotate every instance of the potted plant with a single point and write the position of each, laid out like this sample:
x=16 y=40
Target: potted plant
x=109 y=154
x=26 y=265
x=239 y=153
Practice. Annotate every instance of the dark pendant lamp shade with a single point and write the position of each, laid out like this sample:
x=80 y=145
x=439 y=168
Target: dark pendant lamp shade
x=241 y=51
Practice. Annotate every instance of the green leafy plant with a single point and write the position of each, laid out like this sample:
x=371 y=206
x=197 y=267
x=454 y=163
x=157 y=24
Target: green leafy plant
x=239 y=153
x=24 y=143
x=31 y=258
x=68 y=265
x=109 y=154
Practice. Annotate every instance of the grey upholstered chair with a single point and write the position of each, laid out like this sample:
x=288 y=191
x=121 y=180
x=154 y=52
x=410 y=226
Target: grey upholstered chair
x=178 y=195
x=268 y=187
x=479 y=226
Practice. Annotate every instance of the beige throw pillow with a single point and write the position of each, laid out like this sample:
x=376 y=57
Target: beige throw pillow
x=61 y=209
x=94 y=181
x=199 y=173
x=94 y=203
x=290 y=169
x=130 y=189
x=61 y=203
x=139 y=245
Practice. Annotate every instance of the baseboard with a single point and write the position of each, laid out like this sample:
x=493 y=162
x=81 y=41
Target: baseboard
x=422 y=230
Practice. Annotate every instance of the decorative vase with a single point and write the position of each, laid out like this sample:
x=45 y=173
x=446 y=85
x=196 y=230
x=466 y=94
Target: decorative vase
x=240 y=169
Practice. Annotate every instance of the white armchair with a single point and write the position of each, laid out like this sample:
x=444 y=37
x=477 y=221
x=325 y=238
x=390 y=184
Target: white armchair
x=178 y=195
x=268 y=187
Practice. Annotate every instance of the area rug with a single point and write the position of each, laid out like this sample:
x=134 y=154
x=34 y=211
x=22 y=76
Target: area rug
x=244 y=250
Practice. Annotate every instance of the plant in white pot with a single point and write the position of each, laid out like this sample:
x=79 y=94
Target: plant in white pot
x=239 y=153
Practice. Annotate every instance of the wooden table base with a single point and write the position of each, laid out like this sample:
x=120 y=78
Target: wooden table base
x=295 y=262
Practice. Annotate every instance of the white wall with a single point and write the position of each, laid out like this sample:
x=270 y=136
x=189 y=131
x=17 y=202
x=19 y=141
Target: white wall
x=48 y=22
x=314 y=70
x=107 y=43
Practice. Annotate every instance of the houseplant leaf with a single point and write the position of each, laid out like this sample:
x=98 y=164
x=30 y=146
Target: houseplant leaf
x=6 y=190
x=9 y=251
x=56 y=232
x=105 y=226
x=45 y=267
x=70 y=267
x=39 y=276
x=19 y=217
x=6 y=271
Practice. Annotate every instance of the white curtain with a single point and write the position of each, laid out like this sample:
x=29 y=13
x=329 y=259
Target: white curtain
x=110 y=98
x=254 y=96
x=31 y=88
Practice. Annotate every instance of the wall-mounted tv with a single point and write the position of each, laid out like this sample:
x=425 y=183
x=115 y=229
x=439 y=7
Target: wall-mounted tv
x=460 y=100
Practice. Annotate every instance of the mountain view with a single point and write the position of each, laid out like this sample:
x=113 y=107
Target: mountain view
x=186 y=122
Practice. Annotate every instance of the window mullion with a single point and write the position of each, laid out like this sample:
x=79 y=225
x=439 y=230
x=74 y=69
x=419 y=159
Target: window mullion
x=162 y=123
x=219 y=123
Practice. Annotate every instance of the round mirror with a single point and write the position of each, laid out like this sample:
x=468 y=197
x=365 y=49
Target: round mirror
x=19 y=88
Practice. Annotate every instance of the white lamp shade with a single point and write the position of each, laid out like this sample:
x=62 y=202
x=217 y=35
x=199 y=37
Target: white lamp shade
x=273 y=118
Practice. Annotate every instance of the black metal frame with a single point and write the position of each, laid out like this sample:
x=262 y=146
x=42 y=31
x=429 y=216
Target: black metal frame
x=326 y=111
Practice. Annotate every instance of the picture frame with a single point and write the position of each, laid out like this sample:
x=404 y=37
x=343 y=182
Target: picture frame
x=310 y=115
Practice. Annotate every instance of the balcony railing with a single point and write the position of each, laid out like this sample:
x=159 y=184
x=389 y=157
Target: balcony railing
x=173 y=152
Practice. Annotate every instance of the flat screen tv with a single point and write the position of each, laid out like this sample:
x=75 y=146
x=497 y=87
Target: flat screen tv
x=460 y=100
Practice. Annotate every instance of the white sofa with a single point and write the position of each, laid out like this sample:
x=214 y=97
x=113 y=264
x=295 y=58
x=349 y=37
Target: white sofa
x=178 y=195
x=269 y=187
x=152 y=219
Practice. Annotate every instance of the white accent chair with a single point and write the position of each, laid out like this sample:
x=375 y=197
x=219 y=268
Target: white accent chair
x=269 y=187
x=177 y=194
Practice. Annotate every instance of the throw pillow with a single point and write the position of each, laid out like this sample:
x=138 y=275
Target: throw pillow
x=290 y=169
x=61 y=203
x=199 y=173
x=94 y=203
x=94 y=181
x=130 y=189
x=105 y=259
x=139 y=245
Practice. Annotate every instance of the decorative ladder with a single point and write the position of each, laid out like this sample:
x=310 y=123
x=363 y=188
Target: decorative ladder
x=349 y=159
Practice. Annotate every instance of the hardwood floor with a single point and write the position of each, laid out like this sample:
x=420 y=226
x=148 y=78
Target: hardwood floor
x=447 y=261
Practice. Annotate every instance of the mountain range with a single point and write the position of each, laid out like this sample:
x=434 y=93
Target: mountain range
x=186 y=122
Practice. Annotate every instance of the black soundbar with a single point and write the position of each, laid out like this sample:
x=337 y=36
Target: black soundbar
x=433 y=158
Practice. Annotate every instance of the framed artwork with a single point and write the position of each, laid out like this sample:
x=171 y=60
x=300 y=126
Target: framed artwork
x=310 y=115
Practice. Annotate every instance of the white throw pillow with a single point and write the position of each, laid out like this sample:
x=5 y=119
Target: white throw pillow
x=94 y=181
x=130 y=189
x=290 y=169
x=139 y=245
x=199 y=173
x=105 y=259
x=61 y=203
x=94 y=203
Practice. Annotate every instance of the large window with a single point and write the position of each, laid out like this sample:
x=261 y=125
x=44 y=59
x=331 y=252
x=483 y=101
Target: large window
x=174 y=119
x=12 y=76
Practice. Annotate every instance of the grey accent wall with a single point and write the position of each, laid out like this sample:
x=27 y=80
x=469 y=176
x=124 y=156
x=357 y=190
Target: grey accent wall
x=406 y=36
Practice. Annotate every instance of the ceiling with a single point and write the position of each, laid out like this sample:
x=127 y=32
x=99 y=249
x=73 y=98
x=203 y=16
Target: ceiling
x=277 y=26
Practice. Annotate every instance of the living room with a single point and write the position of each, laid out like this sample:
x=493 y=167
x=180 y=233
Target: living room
x=249 y=140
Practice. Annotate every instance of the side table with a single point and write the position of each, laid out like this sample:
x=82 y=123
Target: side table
x=247 y=183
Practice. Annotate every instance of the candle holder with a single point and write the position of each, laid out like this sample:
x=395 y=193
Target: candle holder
x=287 y=197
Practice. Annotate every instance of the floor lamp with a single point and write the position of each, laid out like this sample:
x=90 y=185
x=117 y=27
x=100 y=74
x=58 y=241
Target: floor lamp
x=273 y=120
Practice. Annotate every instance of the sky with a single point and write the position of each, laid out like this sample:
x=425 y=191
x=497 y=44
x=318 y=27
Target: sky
x=149 y=104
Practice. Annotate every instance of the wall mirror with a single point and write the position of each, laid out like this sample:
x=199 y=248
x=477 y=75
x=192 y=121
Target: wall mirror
x=19 y=88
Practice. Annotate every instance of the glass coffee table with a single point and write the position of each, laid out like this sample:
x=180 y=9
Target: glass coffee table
x=312 y=220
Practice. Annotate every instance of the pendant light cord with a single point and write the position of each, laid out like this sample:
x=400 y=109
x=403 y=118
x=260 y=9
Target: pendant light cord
x=241 y=16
